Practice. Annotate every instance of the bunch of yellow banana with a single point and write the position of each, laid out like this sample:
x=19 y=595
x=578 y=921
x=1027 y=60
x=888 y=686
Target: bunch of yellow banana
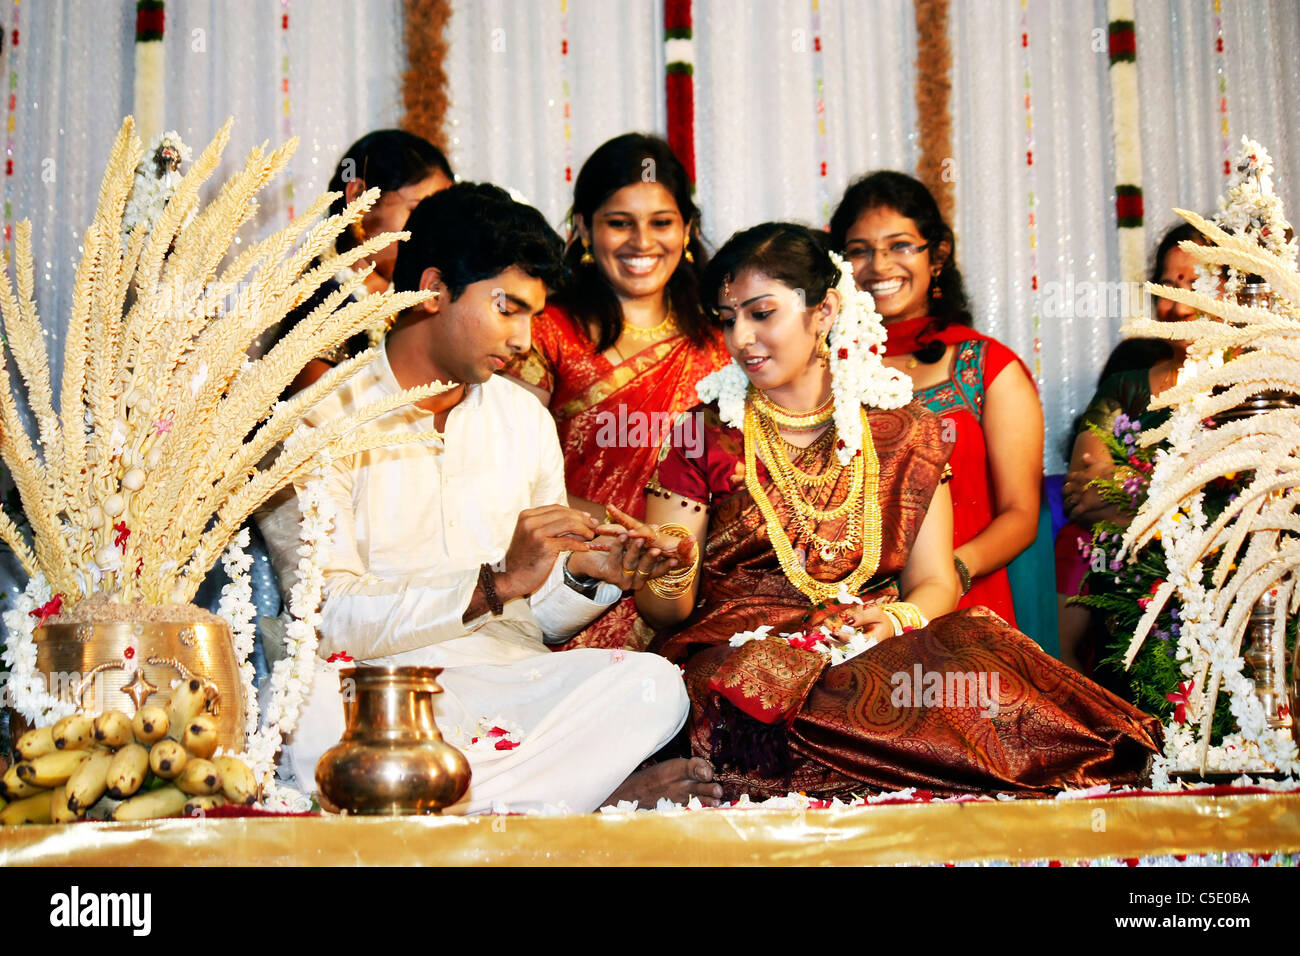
x=158 y=764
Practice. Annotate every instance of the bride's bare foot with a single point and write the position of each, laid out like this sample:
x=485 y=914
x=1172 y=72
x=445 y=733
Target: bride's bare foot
x=678 y=780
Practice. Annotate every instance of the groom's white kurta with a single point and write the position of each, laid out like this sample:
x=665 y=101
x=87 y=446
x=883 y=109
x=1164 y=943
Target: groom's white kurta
x=414 y=524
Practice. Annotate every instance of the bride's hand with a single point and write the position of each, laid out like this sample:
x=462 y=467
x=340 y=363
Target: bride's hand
x=866 y=618
x=646 y=553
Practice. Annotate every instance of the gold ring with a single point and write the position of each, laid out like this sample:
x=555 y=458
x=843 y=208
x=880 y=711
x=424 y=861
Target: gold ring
x=640 y=571
x=626 y=571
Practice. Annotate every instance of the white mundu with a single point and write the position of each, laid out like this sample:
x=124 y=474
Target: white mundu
x=414 y=524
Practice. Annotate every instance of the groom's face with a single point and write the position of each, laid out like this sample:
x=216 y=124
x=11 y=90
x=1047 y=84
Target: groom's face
x=487 y=325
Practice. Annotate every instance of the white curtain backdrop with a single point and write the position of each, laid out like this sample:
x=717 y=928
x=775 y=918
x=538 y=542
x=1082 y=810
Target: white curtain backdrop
x=506 y=74
x=758 y=143
x=757 y=155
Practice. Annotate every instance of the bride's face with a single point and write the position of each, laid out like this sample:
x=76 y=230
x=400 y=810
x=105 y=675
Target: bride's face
x=772 y=333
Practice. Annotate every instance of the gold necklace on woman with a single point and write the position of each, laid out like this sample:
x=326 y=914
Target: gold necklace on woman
x=669 y=324
x=790 y=480
x=861 y=497
x=794 y=421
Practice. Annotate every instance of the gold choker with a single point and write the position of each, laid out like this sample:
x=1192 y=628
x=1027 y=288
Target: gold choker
x=794 y=421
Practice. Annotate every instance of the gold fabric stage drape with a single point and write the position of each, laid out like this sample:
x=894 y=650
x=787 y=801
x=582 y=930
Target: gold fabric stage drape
x=1065 y=830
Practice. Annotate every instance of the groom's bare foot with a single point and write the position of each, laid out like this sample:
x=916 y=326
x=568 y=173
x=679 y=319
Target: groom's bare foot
x=678 y=780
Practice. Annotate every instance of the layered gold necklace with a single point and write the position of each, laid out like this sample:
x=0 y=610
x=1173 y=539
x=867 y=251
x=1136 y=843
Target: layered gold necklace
x=860 y=503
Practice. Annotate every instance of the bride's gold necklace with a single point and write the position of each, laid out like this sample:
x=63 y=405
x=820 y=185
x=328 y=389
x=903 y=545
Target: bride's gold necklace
x=861 y=497
x=790 y=480
x=794 y=421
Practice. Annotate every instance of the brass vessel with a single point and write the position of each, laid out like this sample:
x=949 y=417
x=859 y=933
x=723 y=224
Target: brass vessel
x=122 y=665
x=392 y=759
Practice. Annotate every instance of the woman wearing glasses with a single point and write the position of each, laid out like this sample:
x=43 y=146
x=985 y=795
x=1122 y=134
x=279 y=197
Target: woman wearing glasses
x=902 y=252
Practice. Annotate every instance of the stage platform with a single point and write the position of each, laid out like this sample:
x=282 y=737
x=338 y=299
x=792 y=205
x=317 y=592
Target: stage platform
x=1224 y=825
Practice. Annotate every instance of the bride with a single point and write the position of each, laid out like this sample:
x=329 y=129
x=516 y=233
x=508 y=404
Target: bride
x=821 y=649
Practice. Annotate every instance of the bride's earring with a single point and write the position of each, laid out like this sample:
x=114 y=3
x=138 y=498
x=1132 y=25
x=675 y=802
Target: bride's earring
x=587 y=258
x=824 y=348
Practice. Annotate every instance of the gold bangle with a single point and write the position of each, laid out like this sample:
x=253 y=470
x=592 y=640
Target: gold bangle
x=674 y=584
x=671 y=590
x=908 y=616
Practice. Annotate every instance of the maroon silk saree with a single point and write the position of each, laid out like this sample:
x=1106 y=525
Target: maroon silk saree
x=965 y=704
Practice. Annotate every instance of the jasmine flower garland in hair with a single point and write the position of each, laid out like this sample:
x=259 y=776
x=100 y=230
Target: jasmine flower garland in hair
x=858 y=374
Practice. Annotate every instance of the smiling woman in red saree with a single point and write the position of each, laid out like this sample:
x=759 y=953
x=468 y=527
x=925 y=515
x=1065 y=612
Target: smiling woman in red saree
x=617 y=358
x=793 y=535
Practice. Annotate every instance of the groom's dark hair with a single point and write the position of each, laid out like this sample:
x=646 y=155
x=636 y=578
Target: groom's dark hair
x=474 y=231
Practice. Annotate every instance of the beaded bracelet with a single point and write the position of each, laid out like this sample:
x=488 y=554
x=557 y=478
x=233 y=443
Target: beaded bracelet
x=489 y=585
x=963 y=572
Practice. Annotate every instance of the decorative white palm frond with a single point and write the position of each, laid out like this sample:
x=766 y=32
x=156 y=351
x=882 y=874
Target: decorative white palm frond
x=140 y=478
x=1234 y=352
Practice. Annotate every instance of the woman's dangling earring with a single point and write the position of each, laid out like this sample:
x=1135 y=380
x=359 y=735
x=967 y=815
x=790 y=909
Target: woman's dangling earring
x=358 y=232
x=686 y=249
x=936 y=292
x=824 y=348
x=587 y=258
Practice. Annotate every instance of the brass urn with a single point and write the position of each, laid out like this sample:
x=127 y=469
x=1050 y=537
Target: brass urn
x=124 y=664
x=392 y=759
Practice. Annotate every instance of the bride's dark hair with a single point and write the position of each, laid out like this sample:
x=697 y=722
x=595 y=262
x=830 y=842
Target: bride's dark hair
x=887 y=189
x=624 y=161
x=788 y=252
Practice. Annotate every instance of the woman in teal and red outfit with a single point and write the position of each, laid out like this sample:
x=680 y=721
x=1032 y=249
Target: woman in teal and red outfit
x=889 y=228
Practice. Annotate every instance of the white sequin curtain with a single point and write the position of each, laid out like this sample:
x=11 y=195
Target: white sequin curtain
x=73 y=68
x=758 y=136
x=522 y=108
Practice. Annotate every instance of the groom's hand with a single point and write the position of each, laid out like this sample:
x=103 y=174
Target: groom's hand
x=636 y=553
x=540 y=535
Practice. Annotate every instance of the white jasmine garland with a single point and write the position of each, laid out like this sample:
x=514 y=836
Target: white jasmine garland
x=858 y=374
x=843 y=645
x=26 y=690
x=291 y=678
x=236 y=607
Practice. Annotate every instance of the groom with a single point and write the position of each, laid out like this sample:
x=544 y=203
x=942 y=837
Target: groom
x=462 y=553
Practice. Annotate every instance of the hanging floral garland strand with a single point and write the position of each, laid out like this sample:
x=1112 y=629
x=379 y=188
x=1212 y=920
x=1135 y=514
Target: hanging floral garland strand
x=679 y=84
x=819 y=86
x=9 y=134
x=566 y=103
x=933 y=103
x=424 y=83
x=1220 y=69
x=1033 y=193
x=284 y=92
x=1126 y=115
x=149 y=24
